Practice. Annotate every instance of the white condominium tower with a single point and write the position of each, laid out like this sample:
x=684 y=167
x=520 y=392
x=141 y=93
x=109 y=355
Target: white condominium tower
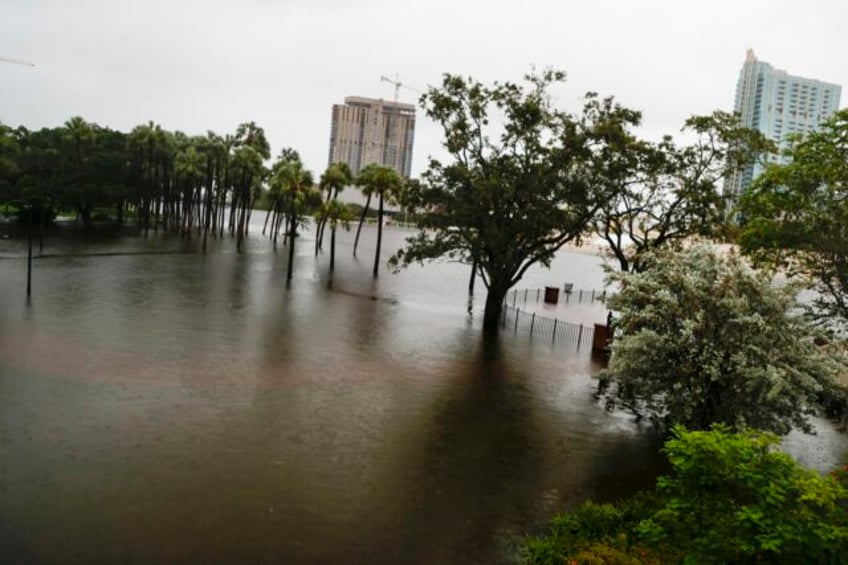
x=777 y=104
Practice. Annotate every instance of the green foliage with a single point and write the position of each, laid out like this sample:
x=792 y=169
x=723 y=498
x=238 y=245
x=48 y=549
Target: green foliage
x=291 y=184
x=160 y=178
x=730 y=498
x=336 y=214
x=735 y=498
x=8 y=158
x=335 y=179
x=600 y=533
x=519 y=183
x=796 y=216
x=702 y=339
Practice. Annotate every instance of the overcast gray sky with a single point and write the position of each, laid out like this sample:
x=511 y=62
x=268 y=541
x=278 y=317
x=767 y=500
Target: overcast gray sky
x=212 y=64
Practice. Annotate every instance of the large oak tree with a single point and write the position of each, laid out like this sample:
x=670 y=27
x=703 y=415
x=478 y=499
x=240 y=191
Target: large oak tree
x=518 y=184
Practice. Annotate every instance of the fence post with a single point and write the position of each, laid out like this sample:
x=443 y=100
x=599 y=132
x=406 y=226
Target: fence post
x=579 y=336
x=515 y=329
x=532 y=323
x=553 y=337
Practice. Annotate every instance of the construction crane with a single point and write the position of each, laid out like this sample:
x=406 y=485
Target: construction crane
x=398 y=84
x=16 y=62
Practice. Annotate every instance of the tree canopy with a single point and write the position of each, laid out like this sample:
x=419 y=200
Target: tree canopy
x=663 y=193
x=701 y=338
x=519 y=182
x=796 y=216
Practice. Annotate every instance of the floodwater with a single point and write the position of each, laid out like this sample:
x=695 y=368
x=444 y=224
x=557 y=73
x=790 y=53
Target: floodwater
x=162 y=405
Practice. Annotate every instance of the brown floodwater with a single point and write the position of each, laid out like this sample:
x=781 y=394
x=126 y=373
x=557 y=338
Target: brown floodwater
x=162 y=405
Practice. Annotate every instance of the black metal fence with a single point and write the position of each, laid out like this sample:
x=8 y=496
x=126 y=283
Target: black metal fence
x=534 y=295
x=534 y=324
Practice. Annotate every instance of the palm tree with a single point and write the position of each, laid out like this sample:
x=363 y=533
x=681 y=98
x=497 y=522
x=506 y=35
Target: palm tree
x=333 y=180
x=80 y=135
x=294 y=182
x=387 y=185
x=247 y=172
x=189 y=174
x=253 y=136
x=336 y=214
x=148 y=152
x=275 y=208
x=212 y=146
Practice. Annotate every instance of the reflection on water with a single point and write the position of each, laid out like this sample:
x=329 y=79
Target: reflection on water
x=187 y=407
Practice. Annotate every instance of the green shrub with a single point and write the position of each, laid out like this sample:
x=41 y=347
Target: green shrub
x=730 y=498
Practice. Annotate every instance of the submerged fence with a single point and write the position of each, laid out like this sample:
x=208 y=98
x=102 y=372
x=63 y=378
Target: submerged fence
x=534 y=295
x=534 y=324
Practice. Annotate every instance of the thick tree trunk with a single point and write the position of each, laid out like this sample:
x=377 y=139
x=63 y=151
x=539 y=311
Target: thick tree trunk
x=379 y=237
x=494 y=308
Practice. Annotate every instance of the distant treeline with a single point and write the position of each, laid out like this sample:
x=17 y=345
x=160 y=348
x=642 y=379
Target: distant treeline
x=184 y=184
x=156 y=176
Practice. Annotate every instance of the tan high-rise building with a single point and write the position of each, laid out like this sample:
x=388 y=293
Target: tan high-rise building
x=367 y=130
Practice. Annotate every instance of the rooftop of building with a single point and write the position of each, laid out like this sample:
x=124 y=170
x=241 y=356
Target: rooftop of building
x=751 y=58
x=387 y=104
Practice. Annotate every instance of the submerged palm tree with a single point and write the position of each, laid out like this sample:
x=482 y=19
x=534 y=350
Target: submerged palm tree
x=387 y=185
x=333 y=180
x=336 y=214
x=294 y=183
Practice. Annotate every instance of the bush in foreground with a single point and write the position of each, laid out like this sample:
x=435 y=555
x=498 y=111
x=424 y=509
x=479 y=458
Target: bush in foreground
x=730 y=498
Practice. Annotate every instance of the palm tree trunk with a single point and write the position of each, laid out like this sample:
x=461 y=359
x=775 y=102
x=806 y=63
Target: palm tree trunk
x=41 y=229
x=471 y=285
x=332 y=249
x=292 y=235
x=268 y=215
x=361 y=219
x=379 y=237
x=319 y=232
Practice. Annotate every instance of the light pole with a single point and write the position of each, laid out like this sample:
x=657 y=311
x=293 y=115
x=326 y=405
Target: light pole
x=29 y=252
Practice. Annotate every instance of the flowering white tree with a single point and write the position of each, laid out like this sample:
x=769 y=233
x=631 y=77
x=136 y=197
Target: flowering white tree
x=703 y=338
